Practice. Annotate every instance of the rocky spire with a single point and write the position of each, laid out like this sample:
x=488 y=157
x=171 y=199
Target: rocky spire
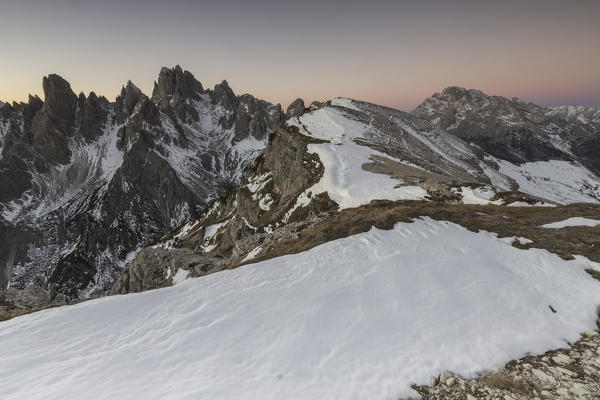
x=174 y=86
x=224 y=95
x=295 y=109
x=60 y=102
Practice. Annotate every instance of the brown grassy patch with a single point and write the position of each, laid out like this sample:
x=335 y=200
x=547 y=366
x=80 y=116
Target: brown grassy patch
x=507 y=382
x=506 y=221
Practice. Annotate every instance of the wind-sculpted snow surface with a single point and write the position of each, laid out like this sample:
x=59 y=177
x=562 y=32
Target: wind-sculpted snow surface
x=357 y=318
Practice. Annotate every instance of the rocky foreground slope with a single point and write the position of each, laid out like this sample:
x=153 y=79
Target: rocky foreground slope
x=87 y=182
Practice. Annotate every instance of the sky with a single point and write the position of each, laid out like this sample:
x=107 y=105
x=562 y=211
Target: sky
x=394 y=53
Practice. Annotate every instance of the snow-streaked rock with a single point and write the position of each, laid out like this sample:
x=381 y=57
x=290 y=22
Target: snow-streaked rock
x=90 y=182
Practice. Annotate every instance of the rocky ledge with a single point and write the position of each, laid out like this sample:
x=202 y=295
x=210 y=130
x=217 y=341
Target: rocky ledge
x=15 y=302
x=570 y=373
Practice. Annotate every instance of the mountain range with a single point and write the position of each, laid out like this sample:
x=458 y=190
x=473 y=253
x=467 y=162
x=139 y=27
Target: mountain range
x=87 y=182
x=115 y=197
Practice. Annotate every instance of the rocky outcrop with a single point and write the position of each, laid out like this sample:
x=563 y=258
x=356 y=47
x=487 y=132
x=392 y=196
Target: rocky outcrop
x=572 y=373
x=244 y=216
x=154 y=268
x=295 y=109
x=14 y=302
x=60 y=103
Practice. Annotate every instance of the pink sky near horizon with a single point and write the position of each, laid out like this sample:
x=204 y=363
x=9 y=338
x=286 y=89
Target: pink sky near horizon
x=395 y=53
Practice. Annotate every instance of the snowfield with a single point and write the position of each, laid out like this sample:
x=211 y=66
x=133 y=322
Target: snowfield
x=357 y=318
x=563 y=182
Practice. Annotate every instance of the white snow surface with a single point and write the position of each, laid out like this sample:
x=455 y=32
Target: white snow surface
x=563 y=182
x=344 y=179
x=362 y=317
x=573 y=221
x=481 y=195
x=344 y=102
x=180 y=276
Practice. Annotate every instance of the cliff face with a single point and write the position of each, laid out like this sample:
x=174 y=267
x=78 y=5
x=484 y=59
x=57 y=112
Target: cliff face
x=90 y=182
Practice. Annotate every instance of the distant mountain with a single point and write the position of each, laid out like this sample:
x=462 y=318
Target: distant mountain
x=515 y=131
x=86 y=182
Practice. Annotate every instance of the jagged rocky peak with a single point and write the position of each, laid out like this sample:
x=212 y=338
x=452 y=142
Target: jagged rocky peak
x=224 y=96
x=92 y=115
x=255 y=118
x=60 y=102
x=175 y=86
x=295 y=109
x=130 y=98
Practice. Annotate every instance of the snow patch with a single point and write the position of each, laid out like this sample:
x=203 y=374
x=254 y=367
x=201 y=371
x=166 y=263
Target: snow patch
x=252 y=254
x=346 y=103
x=180 y=276
x=563 y=182
x=523 y=204
x=480 y=195
x=573 y=221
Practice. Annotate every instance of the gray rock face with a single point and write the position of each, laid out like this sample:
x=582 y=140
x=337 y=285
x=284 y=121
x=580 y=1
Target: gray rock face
x=515 y=131
x=295 y=109
x=31 y=298
x=154 y=268
x=175 y=86
x=91 y=182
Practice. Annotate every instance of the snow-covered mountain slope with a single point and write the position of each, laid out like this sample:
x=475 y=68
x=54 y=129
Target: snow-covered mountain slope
x=91 y=182
x=515 y=131
x=357 y=318
x=563 y=182
x=547 y=152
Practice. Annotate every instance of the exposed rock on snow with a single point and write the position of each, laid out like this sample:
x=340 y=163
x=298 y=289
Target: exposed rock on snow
x=569 y=373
